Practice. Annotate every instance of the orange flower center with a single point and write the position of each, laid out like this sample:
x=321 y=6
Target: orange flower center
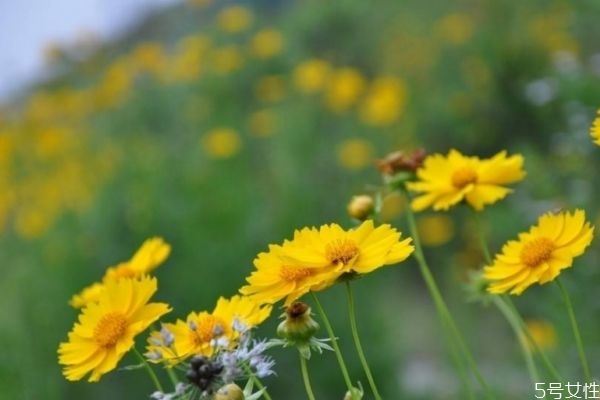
x=463 y=176
x=341 y=251
x=206 y=329
x=110 y=329
x=294 y=274
x=536 y=251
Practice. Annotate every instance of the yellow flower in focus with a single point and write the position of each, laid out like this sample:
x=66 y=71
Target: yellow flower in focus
x=266 y=43
x=270 y=89
x=315 y=258
x=343 y=89
x=384 y=103
x=540 y=254
x=595 y=131
x=221 y=143
x=455 y=28
x=226 y=59
x=542 y=333
x=263 y=123
x=107 y=328
x=234 y=19
x=435 y=230
x=196 y=335
x=149 y=256
x=311 y=75
x=445 y=181
x=354 y=154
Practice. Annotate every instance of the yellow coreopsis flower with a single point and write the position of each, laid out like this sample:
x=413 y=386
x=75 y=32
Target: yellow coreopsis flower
x=234 y=19
x=266 y=43
x=540 y=254
x=315 y=258
x=107 y=328
x=384 y=102
x=445 y=181
x=221 y=143
x=343 y=89
x=202 y=332
x=595 y=131
x=150 y=255
x=311 y=75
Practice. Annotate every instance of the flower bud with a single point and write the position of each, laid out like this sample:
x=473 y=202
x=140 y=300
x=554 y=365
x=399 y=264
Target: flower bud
x=360 y=207
x=229 y=392
x=298 y=326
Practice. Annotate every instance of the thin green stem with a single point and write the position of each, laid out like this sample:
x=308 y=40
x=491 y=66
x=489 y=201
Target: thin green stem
x=256 y=381
x=482 y=241
x=515 y=324
x=441 y=304
x=359 y=349
x=555 y=375
x=580 y=349
x=172 y=376
x=459 y=363
x=305 y=378
x=334 y=343
x=149 y=370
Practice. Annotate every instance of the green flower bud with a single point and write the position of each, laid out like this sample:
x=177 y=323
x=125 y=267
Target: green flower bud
x=361 y=207
x=229 y=392
x=298 y=326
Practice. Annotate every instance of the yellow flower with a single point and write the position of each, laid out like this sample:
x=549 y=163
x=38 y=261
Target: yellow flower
x=355 y=154
x=107 y=328
x=595 y=131
x=540 y=254
x=266 y=43
x=384 y=103
x=455 y=28
x=311 y=75
x=542 y=333
x=445 y=181
x=344 y=87
x=435 y=230
x=150 y=255
x=234 y=19
x=226 y=59
x=315 y=258
x=263 y=123
x=198 y=333
x=221 y=143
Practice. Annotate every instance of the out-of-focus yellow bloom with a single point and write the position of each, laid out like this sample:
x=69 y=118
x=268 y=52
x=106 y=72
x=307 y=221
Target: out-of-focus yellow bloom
x=384 y=103
x=234 y=19
x=595 y=130
x=355 y=154
x=551 y=30
x=226 y=59
x=186 y=64
x=270 y=89
x=455 y=28
x=149 y=58
x=542 y=333
x=392 y=206
x=31 y=222
x=344 y=87
x=539 y=255
x=263 y=123
x=114 y=85
x=435 y=230
x=310 y=76
x=266 y=43
x=221 y=142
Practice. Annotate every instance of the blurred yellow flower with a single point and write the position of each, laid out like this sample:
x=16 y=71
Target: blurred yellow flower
x=186 y=63
x=114 y=85
x=344 y=87
x=263 y=123
x=226 y=59
x=234 y=19
x=435 y=230
x=107 y=328
x=542 y=333
x=551 y=29
x=595 y=130
x=199 y=332
x=392 y=206
x=310 y=76
x=455 y=28
x=270 y=89
x=221 y=142
x=152 y=253
x=539 y=255
x=445 y=181
x=266 y=43
x=354 y=154
x=315 y=258
x=149 y=57
x=384 y=103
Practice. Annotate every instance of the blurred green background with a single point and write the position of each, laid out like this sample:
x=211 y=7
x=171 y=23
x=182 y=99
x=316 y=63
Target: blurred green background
x=223 y=126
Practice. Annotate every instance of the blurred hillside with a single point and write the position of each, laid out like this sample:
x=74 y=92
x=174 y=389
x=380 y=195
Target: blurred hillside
x=224 y=126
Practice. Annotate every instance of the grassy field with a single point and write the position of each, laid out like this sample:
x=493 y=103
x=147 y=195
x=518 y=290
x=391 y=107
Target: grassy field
x=223 y=127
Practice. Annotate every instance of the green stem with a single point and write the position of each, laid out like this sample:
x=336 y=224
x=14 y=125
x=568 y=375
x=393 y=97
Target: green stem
x=482 y=242
x=172 y=376
x=334 y=343
x=515 y=324
x=149 y=370
x=575 y=326
x=441 y=304
x=256 y=381
x=359 y=349
x=458 y=362
x=305 y=378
